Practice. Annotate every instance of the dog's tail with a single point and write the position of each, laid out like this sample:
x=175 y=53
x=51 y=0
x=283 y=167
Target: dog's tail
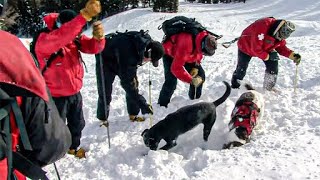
x=249 y=87
x=225 y=95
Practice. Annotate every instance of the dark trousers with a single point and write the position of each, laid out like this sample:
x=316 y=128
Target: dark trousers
x=242 y=66
x=70 y=109
x=170 y=82
x=109 y=76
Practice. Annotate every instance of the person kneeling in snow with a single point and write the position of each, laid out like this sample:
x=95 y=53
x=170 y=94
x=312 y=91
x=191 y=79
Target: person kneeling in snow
x=122 y=55
x=264 y=38
x=29 y=120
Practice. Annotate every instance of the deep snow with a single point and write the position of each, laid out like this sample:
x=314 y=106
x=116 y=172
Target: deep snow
x=286 y=143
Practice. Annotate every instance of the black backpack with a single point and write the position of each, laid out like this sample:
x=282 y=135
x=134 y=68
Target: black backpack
x=140 y=39
x=180 y=24
x=15 y=159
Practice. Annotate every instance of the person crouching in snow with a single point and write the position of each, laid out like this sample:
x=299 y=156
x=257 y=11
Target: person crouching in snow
x=264 y=38
x=64 y=74
x=122 y=55
x=183 y=61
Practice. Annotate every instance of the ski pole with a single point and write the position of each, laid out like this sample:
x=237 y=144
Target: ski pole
x=106 y=122
x=295 y=80
x=150 y=94
x=56 y=169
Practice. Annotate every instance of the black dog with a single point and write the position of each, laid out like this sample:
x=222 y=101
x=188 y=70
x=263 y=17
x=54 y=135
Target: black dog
x=183 y=120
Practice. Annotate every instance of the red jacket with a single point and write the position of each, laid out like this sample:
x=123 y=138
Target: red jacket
x=180 y=48
x=64 y=76
x=257 y=40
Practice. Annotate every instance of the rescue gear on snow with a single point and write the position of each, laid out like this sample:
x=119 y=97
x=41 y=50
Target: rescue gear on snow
x=105 y=104
x=295 y=80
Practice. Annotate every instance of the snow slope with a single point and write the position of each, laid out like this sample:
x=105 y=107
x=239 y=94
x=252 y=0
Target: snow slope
x=284 y=146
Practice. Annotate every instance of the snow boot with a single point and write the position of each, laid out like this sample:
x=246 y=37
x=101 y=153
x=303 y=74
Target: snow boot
x=269 y=81
x=80 y=153
x=136 y=118
x=235 y=83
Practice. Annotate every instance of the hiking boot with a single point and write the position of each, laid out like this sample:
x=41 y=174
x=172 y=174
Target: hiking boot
x=80 y=153
x=136 y=118
x=269 y=81
x=235 y=83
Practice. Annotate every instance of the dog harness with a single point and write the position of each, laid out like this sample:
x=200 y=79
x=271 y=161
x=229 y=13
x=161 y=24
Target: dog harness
x=244 y=114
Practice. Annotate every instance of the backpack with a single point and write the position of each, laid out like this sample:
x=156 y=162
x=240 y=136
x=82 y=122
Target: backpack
x=15 y=161
x=140 y=39
x=180 y=24
x=53 y=56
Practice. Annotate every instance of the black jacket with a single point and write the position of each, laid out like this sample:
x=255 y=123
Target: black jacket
x=122 y=55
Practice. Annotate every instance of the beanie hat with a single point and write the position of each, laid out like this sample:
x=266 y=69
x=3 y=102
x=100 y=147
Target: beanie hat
x=155 y=51
x=286 y=29
x=209 y=45
x=65 y=16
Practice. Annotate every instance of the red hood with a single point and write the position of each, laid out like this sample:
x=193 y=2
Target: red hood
x=17 y=66
x=50 y=19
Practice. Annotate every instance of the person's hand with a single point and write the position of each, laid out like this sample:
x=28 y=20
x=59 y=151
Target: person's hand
x=92 y=9
x=194 y=72
x=273 y=56
x=295 y=57
x=147 y=109
x=196 y=81
x=97 y=31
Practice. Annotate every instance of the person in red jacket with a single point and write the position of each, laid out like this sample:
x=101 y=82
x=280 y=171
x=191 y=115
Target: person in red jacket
x=182 y=60
x=265 y=39
x=29 y=120
x=64 y=74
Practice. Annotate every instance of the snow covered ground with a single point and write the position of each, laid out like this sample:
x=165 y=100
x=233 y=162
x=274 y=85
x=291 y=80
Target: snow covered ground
x=284 y=146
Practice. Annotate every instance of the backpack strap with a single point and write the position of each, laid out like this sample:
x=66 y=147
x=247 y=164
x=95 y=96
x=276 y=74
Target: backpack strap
x=14 y=159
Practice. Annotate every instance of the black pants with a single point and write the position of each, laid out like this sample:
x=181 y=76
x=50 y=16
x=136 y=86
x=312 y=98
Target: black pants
x=170 y=82
x=109 y=75
x=70 y=109
x=242 y=66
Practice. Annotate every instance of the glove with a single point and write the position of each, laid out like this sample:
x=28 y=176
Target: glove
x=196 y=81
x=97 y=31
x=147 y=109
x=194 y=72
x=273 y=56
x=92 y=9
x=295 y=57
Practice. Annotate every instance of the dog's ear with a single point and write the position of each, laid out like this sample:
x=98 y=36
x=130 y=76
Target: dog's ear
x=145 y=131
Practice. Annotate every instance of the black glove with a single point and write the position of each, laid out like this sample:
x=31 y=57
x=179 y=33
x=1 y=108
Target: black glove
x=297 y=58
x=147 y=109
x=273 y=56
